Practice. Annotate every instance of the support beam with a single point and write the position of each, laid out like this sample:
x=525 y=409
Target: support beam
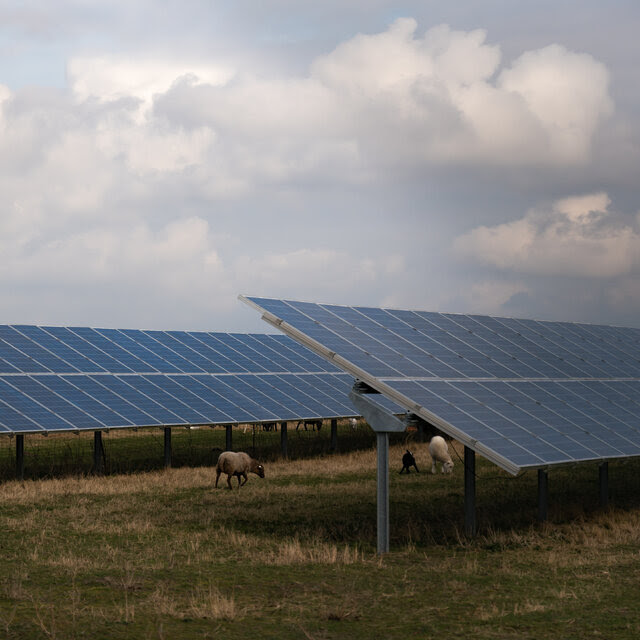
x=334 y=434
x=98 y=453
x=283 y=440
x=382 y=439
x=543 y=495
x=20 y=456
x=228 y=446
x=383 y=423
x=604 y=484
x=167 y=447
x=470 y=524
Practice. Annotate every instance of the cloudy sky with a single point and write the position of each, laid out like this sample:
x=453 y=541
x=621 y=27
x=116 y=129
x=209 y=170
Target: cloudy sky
x=159 y=158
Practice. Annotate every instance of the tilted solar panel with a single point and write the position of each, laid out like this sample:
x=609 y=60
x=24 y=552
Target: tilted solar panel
x=523 y=393
x=74 y=378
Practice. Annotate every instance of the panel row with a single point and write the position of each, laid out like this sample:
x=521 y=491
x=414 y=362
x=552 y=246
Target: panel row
x=536 y=423
x=31 y=349
x=37 y=403
x=530 y=393
x=415 y=344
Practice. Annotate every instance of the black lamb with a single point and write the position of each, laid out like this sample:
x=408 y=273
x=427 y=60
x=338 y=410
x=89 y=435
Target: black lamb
x=408 y=461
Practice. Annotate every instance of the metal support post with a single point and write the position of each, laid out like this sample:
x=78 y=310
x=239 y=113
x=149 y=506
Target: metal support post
x=283 y=439
x=604 y=484
x=20 y=456
x=167 y=447
x=543 y=494
x=334 y=434
x=470 y=524
x=383 y=423
x=383 y=491
x=98 y=453
x=228 y=446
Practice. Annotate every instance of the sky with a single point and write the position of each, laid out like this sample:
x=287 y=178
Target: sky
x=160 y=158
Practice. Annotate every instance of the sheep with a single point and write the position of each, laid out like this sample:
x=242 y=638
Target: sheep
x=314 y=424
x=408 y=461
x=353 y=423
x=237 y=464
x=440 y=453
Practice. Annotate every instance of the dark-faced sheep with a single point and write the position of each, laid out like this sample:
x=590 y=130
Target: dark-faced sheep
x=408 y=461
x=440 y=453
x=237 y=463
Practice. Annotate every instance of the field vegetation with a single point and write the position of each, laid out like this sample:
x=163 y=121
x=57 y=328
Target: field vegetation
x=128 y=450
x=161 y=554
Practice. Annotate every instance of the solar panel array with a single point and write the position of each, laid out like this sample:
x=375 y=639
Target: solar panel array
x=523 y=393
x=75 y=378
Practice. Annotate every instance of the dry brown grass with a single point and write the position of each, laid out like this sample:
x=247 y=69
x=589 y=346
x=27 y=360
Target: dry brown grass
x=152 y=554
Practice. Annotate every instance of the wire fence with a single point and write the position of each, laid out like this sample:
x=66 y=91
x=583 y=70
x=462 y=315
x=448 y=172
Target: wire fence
x=129 y=451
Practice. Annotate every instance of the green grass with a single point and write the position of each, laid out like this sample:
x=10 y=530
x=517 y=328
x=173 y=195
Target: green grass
x=162 y=554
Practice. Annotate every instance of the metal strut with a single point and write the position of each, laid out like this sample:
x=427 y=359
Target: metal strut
x=383 y=423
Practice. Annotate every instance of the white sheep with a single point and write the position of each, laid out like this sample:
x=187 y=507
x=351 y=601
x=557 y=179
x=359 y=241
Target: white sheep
x=440 y=453
x=237 y=463
x=353 y=423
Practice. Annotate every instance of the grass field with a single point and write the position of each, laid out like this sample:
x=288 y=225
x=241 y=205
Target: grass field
x=162 y=554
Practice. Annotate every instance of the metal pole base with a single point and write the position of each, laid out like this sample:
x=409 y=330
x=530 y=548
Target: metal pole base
x=283 y=440
x=543 y=495
x=383 y=491
x=470 y=524
x=604 y=485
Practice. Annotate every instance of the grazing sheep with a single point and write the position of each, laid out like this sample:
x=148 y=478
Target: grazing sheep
x=440 y=453
x=408 y=461
x=353 y=423
x=237 y=464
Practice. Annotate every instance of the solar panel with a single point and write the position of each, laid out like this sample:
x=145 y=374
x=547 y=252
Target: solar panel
x=80 y=378
x=523 y=393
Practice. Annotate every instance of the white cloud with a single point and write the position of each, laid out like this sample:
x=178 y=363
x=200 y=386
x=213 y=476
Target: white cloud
x=120 y=187
x=376 y=103
x=392 y=98
x=566 y=92
x=576 y=236
x=110 y=77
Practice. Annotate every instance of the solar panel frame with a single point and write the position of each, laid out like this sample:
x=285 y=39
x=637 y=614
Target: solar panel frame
x=95 y=379
x=517 y=391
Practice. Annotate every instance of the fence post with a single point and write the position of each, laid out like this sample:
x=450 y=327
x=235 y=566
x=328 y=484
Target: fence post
x=20 y=456
x=98 y=453
x=283 y=439
x=543 y=495
x=167 y=447
x=470 y=524
x=228 y=439
x=604 y=484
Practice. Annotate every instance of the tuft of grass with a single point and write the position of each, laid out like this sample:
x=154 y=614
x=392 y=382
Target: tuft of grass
x=209 y=603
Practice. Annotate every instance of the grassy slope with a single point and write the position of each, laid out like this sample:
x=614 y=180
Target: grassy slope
x=163 y=555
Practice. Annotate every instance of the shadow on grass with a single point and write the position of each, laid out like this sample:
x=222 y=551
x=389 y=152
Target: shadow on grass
x=424 y=509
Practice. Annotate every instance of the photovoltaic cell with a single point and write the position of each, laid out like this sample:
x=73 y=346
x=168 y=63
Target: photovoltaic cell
x=524 y=393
